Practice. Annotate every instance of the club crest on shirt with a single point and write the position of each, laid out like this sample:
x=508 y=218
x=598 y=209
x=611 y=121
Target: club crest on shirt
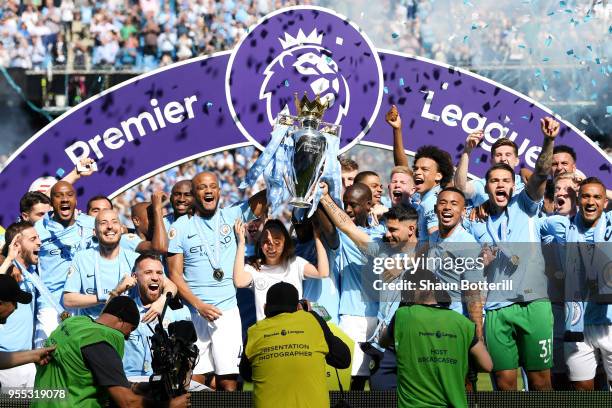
x=131 y=236
x=225 y=229
x=172 y=233
x=260 y=284
x=71 y=270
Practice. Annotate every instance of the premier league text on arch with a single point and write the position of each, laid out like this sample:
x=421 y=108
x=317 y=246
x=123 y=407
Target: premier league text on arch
x=177 y=113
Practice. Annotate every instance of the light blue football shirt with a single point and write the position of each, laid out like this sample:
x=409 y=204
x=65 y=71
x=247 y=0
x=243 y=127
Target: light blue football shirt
x=59 y=246
x=185 y=239
x=82 y=276
x=427 y=213
x=516 y=232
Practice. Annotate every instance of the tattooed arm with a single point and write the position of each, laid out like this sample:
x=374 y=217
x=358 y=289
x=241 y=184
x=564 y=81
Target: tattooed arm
x=537 y=182
x=342 y=221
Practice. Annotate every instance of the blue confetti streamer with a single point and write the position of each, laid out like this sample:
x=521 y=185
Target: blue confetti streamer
x=537 y=72
x=386 y=90
x=551 y=13
x=569 y=52
x=394 y=35
x=594 y=82
x=562 y=4
x=60 y=172
x=590 y=48
x=474 y=27
x=525 y=117
x=401 y=82
x=548 y=41
x=287 y=83
x=522 y=46
x=545 y=59
x=609 y=109
x=465 y=38
x=209 y=104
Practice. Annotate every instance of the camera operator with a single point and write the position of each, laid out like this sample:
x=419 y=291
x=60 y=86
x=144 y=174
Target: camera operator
x=286 y=342
x=150 y=278
x=87 y=361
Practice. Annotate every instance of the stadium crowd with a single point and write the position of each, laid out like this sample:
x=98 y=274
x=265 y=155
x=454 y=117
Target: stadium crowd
x=144 y=34
x=220 y=250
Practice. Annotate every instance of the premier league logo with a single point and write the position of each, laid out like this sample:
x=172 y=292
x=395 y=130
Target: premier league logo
x=308 y=50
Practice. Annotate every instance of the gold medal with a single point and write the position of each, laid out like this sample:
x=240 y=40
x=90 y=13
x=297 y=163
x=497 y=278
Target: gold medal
x=218 y=274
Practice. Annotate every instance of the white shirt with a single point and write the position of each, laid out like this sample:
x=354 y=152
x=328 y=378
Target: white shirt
x=267 y=276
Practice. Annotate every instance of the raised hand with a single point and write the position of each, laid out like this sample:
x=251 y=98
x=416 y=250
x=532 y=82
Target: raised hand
x=550 y=127
x=393 y=118
x=240 y=230
x=473 y=140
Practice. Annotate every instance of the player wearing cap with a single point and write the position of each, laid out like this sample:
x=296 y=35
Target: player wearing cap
x=286 y=352
x=201 y=257
x=87 y=361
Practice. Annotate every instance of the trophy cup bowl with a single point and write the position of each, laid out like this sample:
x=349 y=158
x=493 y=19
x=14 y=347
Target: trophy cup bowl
x=310 y=147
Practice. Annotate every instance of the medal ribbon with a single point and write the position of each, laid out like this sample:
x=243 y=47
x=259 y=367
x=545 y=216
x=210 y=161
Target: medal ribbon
x=199 y=223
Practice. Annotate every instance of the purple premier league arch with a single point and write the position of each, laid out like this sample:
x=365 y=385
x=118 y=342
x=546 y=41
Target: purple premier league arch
x=177 y=113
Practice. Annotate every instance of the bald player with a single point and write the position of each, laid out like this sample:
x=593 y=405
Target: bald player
x=149 y=223
x=63 y=232
x=201 y=256
x=181 y=200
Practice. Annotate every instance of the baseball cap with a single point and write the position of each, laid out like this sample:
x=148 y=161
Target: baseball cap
x=11 y=292
x=124 y=308
x=282 y=297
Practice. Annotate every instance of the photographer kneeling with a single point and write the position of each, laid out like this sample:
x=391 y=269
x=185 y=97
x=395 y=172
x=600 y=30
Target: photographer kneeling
x=285 y=353
x=87 y=361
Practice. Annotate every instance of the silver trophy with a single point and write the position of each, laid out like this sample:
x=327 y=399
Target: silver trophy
x=310 y=147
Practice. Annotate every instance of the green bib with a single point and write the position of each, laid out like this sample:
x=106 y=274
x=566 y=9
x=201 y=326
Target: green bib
x=68 y=371
x=432 y=346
